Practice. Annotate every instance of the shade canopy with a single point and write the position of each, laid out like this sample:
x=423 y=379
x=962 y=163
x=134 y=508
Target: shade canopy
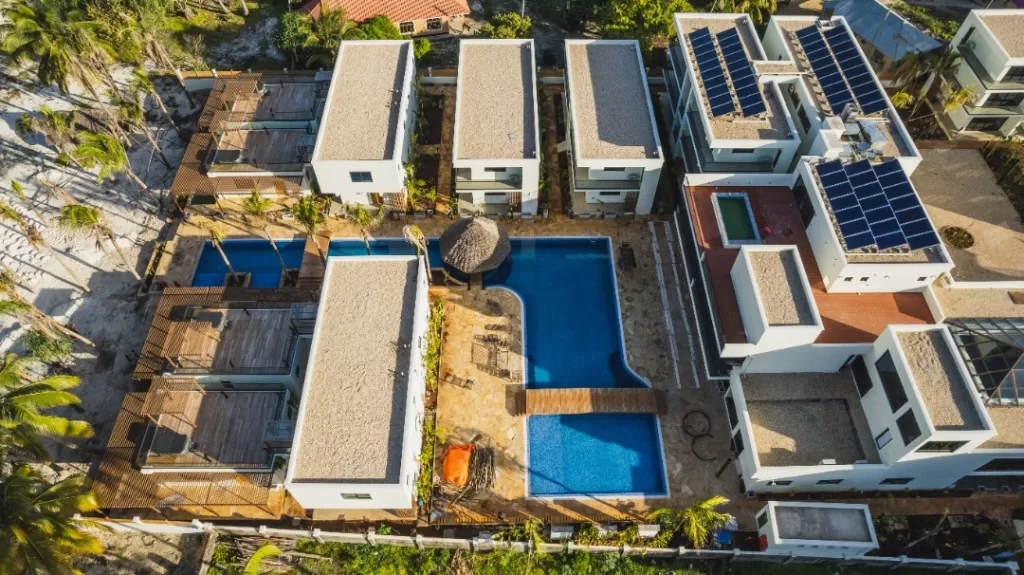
x=475 y=245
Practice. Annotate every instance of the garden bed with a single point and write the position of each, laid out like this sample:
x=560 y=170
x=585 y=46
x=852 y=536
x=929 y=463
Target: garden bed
x=431 y=119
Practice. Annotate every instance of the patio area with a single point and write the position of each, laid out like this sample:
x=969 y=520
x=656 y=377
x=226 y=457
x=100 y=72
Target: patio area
x=958 y=189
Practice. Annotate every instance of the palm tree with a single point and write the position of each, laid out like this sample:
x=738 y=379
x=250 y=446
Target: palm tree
x=150 y=26
x=359 y=215
x=19 y=308
x=309 y=211
x=36 y=240
x=760 y=11
x=217 y=238
x=902 y=99
x=958 y=97
x=252 y=567
x=414 y=235
x=141 y=82
x=256 y=206
x=130 y=111
x=57 y=128
x=79 y=217
x=22 y=400
x=57 y=36
x=698 y=521
x=38 y=531
x=325 y=34
x=20 y=192
x=106 y=153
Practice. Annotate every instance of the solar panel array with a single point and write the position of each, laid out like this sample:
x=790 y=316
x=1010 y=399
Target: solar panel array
x=825 y=68
x=741 y=71
x=875 y=205
x=719 y=96
x=865 y=90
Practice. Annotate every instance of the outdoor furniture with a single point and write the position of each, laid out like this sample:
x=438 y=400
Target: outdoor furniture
x=627 y=259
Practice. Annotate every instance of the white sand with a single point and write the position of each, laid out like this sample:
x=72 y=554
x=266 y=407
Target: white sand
x=111 y=315
x=160 y=554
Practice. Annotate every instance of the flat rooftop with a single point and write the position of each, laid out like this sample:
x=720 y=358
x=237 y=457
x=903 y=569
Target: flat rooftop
x=353 y=415
x=782 y=293
x=609 y=101
x=846 y=317
x=972 y=303
x=265 y=150
x=945 y=393
x=789 y=411
x=822 y=523
x=770 y=125
x=256 y=96
x=363 y=110
x=497 y=104
x=1006 y=27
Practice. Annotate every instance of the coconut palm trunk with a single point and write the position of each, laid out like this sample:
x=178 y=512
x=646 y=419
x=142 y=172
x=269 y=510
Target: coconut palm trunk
x=20 y=192
x=277 y=252
x=66 y=267
x=245 y=8
x=124 y=258
x=152 y=141
x=17 y=277
x=131 y=174
x=227 y=262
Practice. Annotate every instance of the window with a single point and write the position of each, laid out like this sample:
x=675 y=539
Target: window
x=967 y=36
x=1014 y=74
x=861 y=376
x=361 y=176
x=985 y=124
x=883 y=439
x=614 y=169
x=737 y=443
x=762 y=519
x=847 y=279
x=803 y=202
x=434 y=24
x=896 y=481
x=743 y=150
x=830 y=482
x=1004 y=100
x=908 y=427
x=922 y=279
x=609 y=194
x=495 y=170
x=942 y=446
x=356 y=496
x=1003 y=465
x=864 y=279
x=730 y=408
x=891 y=382
x=406 y=27
x=780 y=483
x=801 y=113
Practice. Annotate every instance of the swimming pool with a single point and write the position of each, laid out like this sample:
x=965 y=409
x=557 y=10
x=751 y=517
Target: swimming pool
x=248 y=256
x=735 y=219
x=573 y=339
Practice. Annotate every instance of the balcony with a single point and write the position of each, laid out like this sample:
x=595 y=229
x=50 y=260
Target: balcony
x=584 y=185
x=273 y=151
x=994 y=110
x=968 y=56
x=462 y=185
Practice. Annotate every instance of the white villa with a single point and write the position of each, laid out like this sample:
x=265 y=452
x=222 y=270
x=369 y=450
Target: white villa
x=991 y=48
x=616 y=157
x=365 y=137
x=360 y=418
x=496 y=153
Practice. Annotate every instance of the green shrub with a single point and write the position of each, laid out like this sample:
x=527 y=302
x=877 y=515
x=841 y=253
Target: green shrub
x=55 y=349
x=508 y=25
x=432 y=359
x=420 y=48
x=941 y=28
x=379 y=28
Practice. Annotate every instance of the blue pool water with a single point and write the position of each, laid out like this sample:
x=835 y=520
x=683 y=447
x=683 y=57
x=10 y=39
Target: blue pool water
x=573 y=339
x=252 y=256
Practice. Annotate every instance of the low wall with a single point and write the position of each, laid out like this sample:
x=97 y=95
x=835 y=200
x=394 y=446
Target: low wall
x=483 y=546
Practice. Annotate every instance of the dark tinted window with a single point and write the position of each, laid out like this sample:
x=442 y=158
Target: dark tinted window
x=891 y=382
x=860 y=375
x=1003 y=465
x=730 y=406
x=897 y=481
x=908 y=427
x=941 y=446
x=737 y=443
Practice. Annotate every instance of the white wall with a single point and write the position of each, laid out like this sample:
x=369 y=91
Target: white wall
x=814 y=547
x=813 y=358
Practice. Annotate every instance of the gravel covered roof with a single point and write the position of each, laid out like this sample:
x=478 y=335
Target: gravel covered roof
x=362 y=120
x=354 y=405
x=610 y=101
x=1009 y=30
x=782 y=292
x=945 y=394
x=497 y=106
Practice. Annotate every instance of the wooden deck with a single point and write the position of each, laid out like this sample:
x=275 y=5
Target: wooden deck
x=250 y=339
x=590 y=400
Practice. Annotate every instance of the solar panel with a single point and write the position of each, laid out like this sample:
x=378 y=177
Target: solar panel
x=825 y=68
x=923 y=241
x=711 y=73
x=892 y=240
x=857 y=241
x=829 y=167
x=865 y=90
x=741 y=71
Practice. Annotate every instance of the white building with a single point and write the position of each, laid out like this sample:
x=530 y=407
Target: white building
x=616 y=157
x=745 y=110
x=365 y=134
x=496 y=153
x=816 y=529
x=359 y=425
x=991 y=48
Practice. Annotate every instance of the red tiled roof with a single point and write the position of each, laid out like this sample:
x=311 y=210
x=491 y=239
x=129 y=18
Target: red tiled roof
x=846 y=317
x=396 y=10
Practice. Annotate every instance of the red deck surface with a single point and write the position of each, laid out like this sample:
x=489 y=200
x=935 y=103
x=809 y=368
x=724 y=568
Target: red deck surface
x=847 y=317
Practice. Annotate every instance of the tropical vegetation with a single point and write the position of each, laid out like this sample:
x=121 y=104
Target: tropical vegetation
x=313 y=41
x=939 y=27
x=647 y=21
x=507 y=25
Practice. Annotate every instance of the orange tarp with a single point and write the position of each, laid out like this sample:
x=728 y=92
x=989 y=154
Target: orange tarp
x=455 y=468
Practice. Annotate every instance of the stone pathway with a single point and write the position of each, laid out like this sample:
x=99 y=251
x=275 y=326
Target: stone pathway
x=444 y=168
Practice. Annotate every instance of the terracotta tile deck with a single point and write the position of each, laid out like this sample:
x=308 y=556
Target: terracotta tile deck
x=848 y=318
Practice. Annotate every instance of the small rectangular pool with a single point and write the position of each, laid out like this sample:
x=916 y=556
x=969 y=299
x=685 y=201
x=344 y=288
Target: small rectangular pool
x=735 y=219
x=252 y=256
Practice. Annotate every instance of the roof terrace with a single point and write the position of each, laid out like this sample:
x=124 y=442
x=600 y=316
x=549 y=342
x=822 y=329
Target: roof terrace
x=259 y=97
x=608 y=92
x=789 y=411
x=946 y=395
x=200 y=331
x=268 y=150
x=496 y=115
x=846 y=317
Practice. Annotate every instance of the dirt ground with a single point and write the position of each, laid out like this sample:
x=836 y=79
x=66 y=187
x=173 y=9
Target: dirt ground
x=138 y=553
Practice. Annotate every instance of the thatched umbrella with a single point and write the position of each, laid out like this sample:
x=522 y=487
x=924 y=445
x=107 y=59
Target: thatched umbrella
x=475 y=245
